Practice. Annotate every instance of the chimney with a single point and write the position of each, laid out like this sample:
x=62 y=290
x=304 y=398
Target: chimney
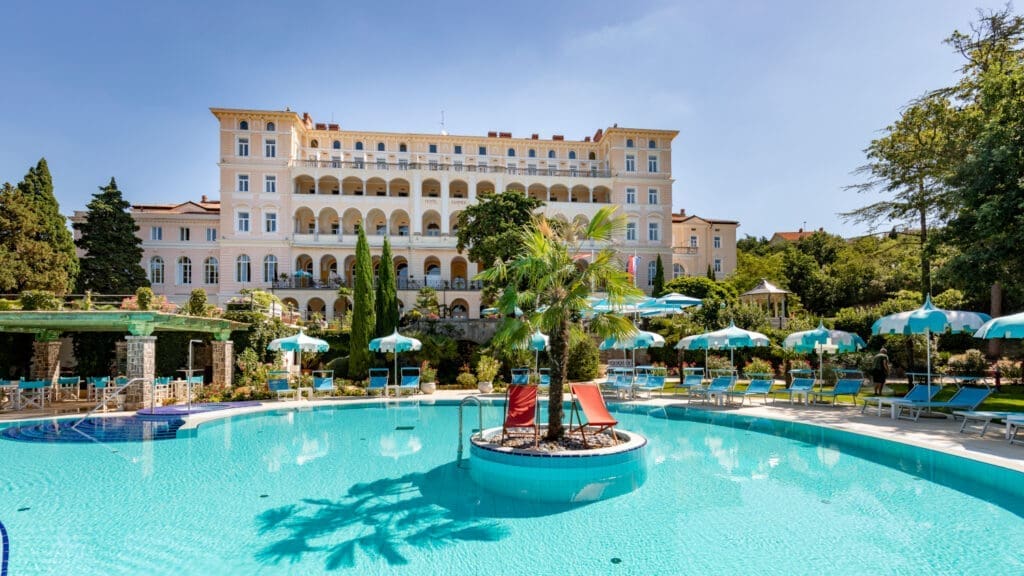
x=333 y=127
x=307 y=119
x=682 y=211
x=203 y=199
x=800 y=231
x=321 y=126
x=534 y=136
x=822 y=229
x=586 y=138
x=598 y=134
x=558 y=137
x=492 y=134
x=504 y=134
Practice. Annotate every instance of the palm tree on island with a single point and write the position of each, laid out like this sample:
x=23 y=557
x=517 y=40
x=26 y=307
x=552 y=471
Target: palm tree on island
x=550 y=279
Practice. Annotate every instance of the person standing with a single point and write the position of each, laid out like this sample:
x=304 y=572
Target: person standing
x=880 y=370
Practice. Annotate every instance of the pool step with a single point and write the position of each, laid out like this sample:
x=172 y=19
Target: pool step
x=112 y=429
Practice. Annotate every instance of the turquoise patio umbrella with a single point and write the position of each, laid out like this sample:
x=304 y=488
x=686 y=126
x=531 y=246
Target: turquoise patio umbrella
x=928 y=319
x=820 y=340
x=395 y=344
x=633 y=341
x=299 y=343
x=537 y=342
x=1011 y=326
x=730 y=337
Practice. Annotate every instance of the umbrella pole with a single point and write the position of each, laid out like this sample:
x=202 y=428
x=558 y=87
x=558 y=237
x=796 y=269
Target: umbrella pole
x=928 y=359
x=398 y=389
x=821 y=367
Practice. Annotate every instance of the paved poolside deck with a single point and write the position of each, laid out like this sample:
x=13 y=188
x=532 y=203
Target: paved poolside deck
x=936 y=433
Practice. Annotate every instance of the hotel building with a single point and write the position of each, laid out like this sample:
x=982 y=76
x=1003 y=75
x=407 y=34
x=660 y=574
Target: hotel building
x=293 y=193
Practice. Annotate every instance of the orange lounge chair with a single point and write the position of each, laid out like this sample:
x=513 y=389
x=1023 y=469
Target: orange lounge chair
x=521 y=412
x=588 y=398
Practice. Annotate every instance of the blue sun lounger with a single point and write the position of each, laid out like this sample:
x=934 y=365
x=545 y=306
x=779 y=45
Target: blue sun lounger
x=654 y=381
x=844 y=387
x=410 y=380
x=520 y=376
x=966 y=398
x=717 y=389
x=760 y=386
x=802 y=385
x=378 y=381
x=544 y=380
x=323 y=382
x=919 y=393
x=693 y=379
x=281 y=387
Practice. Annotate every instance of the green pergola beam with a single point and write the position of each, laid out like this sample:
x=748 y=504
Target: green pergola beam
x=132 y=322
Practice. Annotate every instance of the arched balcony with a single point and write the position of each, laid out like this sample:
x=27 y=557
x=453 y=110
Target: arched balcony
x=402 y=272
x=602 y=194
x=431 y=223
x=431 y=188
x=432 y=272
x=580 y=194
x=305 y=221
x=453 y=222
x=458 y=189
x=352 y=186
x=538 y=192
x=484 y=187
x=376 y=187
x=459 y=273
x=400 y=223
x=351 y=220
x=376 y=222
x=516 y=187
x=559 y=193
x=328 y=185
x=305 y=185
x=329 y=269
x=399 y=188
x=328 y=221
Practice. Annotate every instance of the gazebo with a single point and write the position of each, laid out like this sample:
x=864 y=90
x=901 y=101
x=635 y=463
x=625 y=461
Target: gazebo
x=47 y=327
x=762 y=295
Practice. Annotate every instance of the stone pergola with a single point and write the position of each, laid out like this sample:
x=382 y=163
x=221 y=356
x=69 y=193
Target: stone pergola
x=762 y=296
x=141 y=327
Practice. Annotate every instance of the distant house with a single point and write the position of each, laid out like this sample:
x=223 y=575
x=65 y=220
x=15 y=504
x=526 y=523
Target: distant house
x=699 y=243
x=784 y=237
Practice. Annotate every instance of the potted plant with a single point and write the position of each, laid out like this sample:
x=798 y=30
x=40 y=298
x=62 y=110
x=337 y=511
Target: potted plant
x=428 y=378
x=486 y=369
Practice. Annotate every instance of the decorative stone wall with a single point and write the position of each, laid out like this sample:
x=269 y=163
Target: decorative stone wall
x=120 y=357
x=46 y=360
x=141 y=363
x=223 y=360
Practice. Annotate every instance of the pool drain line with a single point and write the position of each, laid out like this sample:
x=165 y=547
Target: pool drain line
x=6 y=545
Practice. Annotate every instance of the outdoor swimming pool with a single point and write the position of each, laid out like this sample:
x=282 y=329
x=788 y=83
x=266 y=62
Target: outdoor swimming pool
x=375 y=490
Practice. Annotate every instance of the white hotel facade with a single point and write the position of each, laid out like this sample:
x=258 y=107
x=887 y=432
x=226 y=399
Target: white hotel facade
x=294 y=192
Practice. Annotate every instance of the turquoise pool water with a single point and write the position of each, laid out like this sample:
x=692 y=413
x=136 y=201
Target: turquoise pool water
x=375 y=490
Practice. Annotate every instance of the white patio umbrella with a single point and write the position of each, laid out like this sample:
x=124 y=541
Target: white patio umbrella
x=729 y=338
x=395 y=343
x=635 y=340
x=928 y=319
x=823 y=340
x=299 y=343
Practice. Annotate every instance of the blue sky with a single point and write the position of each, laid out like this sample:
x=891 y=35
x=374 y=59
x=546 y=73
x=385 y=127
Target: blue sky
x=774 y=100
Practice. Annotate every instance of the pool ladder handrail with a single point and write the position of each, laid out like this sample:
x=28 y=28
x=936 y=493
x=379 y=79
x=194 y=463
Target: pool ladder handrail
x=105 y=401
x=480 y=427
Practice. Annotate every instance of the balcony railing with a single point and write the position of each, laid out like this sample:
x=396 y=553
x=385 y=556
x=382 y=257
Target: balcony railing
x=304 y=283
x=438 y=167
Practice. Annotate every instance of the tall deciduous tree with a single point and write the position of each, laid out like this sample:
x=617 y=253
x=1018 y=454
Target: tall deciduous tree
x=59 y=270
x=113 y=252
x=363 y=321
x=386 y=301
x=911 y=165
x=490 y=228
x=545 y=275
x=658 y=285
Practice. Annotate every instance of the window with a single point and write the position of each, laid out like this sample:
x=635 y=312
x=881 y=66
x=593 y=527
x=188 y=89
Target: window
x=433 y=229
x=269 y=268
x=359 y=145
x=652 y=269
x=271 y=127
x=382 y=164
x=270 y=222
x=432 y=148
x=630 y=195
x=270 y=184
x=653 y=232
x=156 y=270
x=718 y=242
x=678 y=271
x=551 y=153
x=629 y=142
x=403 y=164
x=572 y=154
x=693 y=241
x=511 y=152
x=243 y=125
x=532 y=153
x=243 y=271
x=270 y=148
x=457 y=165
x=652 y=195
x=243 y=182
x=211 y=234
x=482 y=151
x=591 y=156
x=243 y=146
x=403 y=148
x=156 y=233
x=184 y=234
x=630 y=163
x=458 y=148
x=243 y=222
x=718 y=265
x=631 y=231
x=380 y=146
x=184 y=272
x=652 y=164
x=652 y=144
x=531 y=169
x=316 y=143
x=211 y=271
x=432 y=165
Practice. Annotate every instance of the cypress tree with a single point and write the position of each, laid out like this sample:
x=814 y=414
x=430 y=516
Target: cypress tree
x=711 y=273
x=658 y=287
x=363 y=321
x=111 y=264
x=58 y=271
x=386 y=302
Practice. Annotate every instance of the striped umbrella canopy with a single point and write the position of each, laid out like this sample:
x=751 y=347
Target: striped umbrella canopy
x=395 y=343
x=928 y=319
x=811 y=340
x=299 y=343
x=638 y=339
x=627 y=306
x=1011 y=326
x=729 y=338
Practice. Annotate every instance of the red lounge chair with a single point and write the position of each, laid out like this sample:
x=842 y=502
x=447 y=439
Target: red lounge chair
x=521 y=411
x=588 y=398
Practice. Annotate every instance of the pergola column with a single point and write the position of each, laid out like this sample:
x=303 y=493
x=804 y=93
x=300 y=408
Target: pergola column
x=141 y=363
x=45 y=358
x=223 y=363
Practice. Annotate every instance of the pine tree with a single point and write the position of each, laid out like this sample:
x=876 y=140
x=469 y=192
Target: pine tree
x=386 y=301
x=58 y=271
x=711 y=273
x=658 y=286
x=113 y=252
x=363 y=321
x=27 y=260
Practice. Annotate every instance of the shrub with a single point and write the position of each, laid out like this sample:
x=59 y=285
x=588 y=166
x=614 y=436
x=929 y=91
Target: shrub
x=427 y=372
x=39 y=300
x=487 y=368
x=799 y=364
x=1010 y=369
x=970 y=362
x=758 y=366
x=466 y=380
x=716 y=362
x=6 y=305
x=584 y=358
x=144 y=297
